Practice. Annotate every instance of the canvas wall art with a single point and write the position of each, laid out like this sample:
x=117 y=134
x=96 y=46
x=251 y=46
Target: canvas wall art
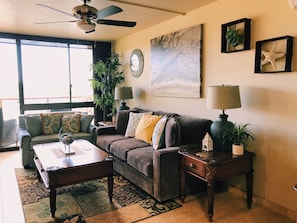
x=176 y=63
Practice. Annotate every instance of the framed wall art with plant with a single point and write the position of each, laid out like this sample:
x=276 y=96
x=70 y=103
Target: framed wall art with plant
x=274 y=55
x=236 y=36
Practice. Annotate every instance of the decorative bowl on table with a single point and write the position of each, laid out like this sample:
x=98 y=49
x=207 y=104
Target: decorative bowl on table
x=66 y=138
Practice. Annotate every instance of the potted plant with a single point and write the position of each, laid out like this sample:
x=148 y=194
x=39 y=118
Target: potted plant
x=107 y=76
x=239 y=136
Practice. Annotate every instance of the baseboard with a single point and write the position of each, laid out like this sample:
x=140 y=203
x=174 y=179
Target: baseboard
x=7 y=149
x=267 y=204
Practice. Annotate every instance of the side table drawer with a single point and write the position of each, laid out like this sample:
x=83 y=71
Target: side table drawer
x=193 y=166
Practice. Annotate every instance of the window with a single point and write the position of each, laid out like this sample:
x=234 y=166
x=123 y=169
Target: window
x=56 y=72
x=9 y=94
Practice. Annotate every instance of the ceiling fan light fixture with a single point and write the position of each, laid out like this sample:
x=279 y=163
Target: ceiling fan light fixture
x=86 y=25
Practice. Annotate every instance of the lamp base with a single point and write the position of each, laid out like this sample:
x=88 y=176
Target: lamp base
x=123 y=106
x=217 y=130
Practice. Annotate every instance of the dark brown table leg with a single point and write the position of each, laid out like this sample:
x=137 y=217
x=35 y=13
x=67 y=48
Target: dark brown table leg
x=210 y=195
x=249 y=189
x=110 y=187
x=53 y=194
x=182 y=185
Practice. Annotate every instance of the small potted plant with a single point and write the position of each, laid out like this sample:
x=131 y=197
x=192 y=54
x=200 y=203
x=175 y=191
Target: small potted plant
x=239 y=136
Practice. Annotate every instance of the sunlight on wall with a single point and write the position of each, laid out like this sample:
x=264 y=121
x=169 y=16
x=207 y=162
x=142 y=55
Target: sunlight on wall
x=269 y=101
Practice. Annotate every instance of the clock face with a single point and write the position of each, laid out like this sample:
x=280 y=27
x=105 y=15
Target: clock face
x=136 y=62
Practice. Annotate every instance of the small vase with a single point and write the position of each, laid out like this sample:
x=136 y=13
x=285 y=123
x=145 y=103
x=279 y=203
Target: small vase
x=237 y=150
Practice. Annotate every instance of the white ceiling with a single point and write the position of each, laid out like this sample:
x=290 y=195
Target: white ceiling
x=20 y=16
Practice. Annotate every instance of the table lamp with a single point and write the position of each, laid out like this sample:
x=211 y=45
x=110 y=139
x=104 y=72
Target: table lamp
x=222 y=97
x=123 y=93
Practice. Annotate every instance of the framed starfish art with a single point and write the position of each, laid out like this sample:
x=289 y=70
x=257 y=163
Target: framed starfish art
x=274 y=55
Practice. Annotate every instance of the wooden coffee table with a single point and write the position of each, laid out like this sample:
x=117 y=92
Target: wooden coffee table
x=57 y=169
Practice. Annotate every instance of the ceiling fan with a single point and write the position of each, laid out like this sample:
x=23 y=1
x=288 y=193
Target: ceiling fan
x=87 y=16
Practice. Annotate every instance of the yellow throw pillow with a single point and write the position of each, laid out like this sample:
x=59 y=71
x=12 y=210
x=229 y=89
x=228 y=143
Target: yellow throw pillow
x=145 y=127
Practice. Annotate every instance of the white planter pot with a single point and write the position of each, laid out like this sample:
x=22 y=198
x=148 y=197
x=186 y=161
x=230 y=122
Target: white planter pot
x=237 y=150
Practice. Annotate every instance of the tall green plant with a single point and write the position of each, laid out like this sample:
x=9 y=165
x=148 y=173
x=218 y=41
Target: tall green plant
x=107 y=76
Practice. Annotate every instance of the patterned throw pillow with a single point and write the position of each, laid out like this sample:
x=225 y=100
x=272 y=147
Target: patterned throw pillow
x=51 y=123
x=134 y=119
x=71 y=123
x=145 y=127
x=158 y=137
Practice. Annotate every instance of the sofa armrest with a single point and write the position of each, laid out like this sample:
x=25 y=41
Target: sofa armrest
x=166 y=173
x=24 y=138
x=92 y=130
x=106 y=130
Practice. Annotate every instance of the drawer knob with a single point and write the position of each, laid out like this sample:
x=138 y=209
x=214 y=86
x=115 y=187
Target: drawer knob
x=191 y=165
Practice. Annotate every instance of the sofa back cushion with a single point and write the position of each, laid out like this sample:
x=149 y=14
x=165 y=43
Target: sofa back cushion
x=122 y=121
x=85 y=121
x=33 y=124
x=192 y=130
x=172 y=133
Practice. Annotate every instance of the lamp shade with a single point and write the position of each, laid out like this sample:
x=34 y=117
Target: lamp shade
x=223 y=97
x=122 y=93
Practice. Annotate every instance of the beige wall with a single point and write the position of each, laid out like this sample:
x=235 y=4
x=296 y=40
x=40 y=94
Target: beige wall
x=269 y=101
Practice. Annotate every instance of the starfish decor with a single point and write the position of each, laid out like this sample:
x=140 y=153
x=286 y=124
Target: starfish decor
x=271 y=56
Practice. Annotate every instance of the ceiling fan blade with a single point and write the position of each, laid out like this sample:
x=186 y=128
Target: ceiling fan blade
x=57 y=10
x=110 y=10
x=116 y=23
x=55 y=22
x=90 y=31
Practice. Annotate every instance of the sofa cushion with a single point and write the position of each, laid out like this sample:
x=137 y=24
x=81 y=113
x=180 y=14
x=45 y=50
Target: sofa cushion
x=158 y=137
x=85 y=121
x=192 y=130
x=172 y=133
x=33 y=125
x=71 y=123
x=134 y=119
x=122 y=121
x=145 y=127
x=54 y=138
x=120 y=148
x=51 y=123
x=104 y=141
x=142 y=160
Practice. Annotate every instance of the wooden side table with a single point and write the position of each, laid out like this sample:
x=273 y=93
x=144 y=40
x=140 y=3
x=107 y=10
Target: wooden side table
x=215 y=166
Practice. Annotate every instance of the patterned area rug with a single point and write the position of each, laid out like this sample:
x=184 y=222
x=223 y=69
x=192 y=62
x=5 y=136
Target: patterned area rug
x=87 y=202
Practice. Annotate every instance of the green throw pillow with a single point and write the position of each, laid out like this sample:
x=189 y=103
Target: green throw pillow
x=51 y=123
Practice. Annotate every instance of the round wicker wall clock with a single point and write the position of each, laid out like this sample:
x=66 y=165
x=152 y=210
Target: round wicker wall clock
x=136 y=62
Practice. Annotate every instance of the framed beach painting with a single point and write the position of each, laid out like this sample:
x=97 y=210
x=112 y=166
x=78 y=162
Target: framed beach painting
x=176 y=63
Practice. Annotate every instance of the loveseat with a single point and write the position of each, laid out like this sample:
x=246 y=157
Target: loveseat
x=151 y=165
x=44 y=127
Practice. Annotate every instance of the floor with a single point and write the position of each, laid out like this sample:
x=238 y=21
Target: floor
x=229 y=208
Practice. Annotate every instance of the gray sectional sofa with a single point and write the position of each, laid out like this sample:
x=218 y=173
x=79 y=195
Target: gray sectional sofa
x=31 y=132
x=156 y=171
